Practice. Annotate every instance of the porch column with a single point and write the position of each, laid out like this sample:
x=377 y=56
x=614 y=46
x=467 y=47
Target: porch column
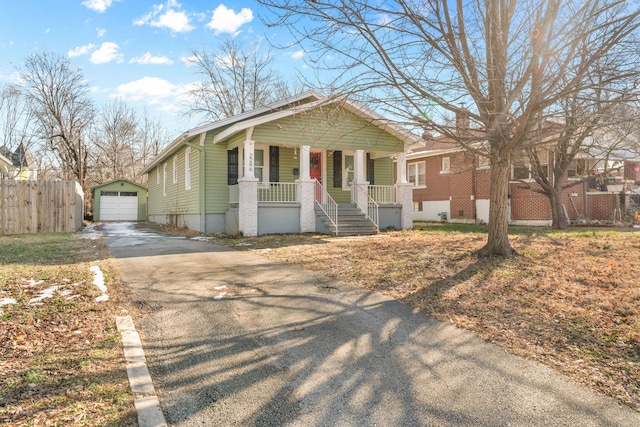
x=361 y=198
x=248 y=194
x=305 y=163
x=404 y=193
x=306 y=193
x=401 y=172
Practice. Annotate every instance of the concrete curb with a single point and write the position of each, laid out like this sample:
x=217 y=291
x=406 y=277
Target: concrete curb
x=146 y=401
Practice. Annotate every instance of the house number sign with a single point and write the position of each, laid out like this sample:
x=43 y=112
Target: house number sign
x=250 y=162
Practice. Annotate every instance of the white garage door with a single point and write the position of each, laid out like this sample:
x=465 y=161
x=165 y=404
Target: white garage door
x=118 y=206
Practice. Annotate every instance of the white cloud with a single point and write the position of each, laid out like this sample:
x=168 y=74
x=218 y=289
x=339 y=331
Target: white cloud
x=167 y=16
x=225 y=20
x=80 y=50
x=101 y=31
x=299 y=54
x=107 y=52
x=152 y=89
x=147 y=58
x=97 y=5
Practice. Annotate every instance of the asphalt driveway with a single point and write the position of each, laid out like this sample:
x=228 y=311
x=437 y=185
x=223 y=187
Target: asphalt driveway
x=233 y=339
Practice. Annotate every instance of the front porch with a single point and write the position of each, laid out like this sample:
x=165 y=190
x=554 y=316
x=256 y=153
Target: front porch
x=308 y=205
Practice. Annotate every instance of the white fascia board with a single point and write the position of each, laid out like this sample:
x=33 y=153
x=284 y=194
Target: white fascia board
x=165 y=153
x=249 y=114
x=239 y=127
x=434 y=153
x=360 y=110
x=224 y=122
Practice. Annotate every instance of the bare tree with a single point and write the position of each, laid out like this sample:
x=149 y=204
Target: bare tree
x=503 y=62
x=234 y=80
x=59 y=96
x=16 y=135
x=116 y=136
x=153 y=138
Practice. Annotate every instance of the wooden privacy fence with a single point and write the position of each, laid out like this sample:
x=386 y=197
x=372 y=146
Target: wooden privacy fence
x=40 y=206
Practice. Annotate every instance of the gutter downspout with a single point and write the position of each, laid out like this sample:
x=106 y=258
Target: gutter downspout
x=201 y=181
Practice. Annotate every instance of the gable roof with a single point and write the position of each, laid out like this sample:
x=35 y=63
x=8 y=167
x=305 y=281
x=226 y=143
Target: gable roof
x=308 y=96
x=19 y=158
x=285 y=108
x=355 y=107
x=117 y=180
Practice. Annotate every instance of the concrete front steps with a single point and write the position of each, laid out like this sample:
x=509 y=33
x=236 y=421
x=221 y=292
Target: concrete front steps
x=351 y=222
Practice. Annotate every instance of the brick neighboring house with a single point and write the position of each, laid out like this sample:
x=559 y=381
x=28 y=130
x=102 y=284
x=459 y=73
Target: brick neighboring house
x=452 y=183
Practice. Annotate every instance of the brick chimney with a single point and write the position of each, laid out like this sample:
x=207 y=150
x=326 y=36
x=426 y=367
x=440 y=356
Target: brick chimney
x=462 y=120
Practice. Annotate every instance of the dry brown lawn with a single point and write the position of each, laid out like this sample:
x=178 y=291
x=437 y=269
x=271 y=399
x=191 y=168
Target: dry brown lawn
x=570 y=300
x=61 y=360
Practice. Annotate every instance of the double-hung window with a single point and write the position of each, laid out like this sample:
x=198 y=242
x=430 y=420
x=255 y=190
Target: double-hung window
x=417 y=174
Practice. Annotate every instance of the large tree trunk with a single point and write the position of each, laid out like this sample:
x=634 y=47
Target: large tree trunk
x=498 y=240
x=558 y=218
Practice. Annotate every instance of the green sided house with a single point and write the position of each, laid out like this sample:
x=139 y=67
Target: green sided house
x=119 y=200
x=304 y=164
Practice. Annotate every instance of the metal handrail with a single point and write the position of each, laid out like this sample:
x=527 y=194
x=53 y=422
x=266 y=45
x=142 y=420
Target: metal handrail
x=327 y=205
x=372 y=208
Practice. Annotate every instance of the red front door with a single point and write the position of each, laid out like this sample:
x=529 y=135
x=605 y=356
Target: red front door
x=315 y=166
x=315 y=172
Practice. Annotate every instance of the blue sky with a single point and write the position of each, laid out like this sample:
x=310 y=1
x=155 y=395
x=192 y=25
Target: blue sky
x=133 y=49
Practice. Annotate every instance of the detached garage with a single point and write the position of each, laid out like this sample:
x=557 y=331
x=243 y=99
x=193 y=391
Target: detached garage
x=119 y=200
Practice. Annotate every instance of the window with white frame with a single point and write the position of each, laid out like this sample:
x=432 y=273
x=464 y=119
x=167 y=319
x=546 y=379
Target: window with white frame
x=260 y=164
x=164 y=179
x=175 y=169
x=417 y=174
x=187 y=169
x=446 y=165
x=348 y=170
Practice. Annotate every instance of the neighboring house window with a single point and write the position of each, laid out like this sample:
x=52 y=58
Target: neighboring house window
x=187 y=169
x=417 y=174
x=417 y=206
x=446 y=165
x=483 y=162
x=164 y=180
x=577 y=168
x=175 y=169
x=521 y=169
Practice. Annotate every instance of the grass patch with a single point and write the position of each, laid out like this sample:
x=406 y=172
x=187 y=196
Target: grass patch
x=570 y=299
x=55 y=349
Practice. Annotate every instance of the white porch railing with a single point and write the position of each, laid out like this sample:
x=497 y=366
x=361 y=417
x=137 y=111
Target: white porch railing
x=371 y=208
x=234 y=194
x=326 y=203
x=383 y=193
x=278 y=192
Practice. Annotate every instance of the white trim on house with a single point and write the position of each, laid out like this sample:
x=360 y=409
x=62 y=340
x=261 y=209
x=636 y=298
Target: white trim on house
x=187 y=168
x=225 y=122
x=360 y=110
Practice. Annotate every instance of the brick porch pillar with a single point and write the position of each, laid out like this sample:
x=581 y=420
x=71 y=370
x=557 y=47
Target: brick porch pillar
x=306 y=193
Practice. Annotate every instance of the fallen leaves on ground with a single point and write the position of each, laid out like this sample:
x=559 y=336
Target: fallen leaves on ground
x=61 y=360
x=569 y=300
